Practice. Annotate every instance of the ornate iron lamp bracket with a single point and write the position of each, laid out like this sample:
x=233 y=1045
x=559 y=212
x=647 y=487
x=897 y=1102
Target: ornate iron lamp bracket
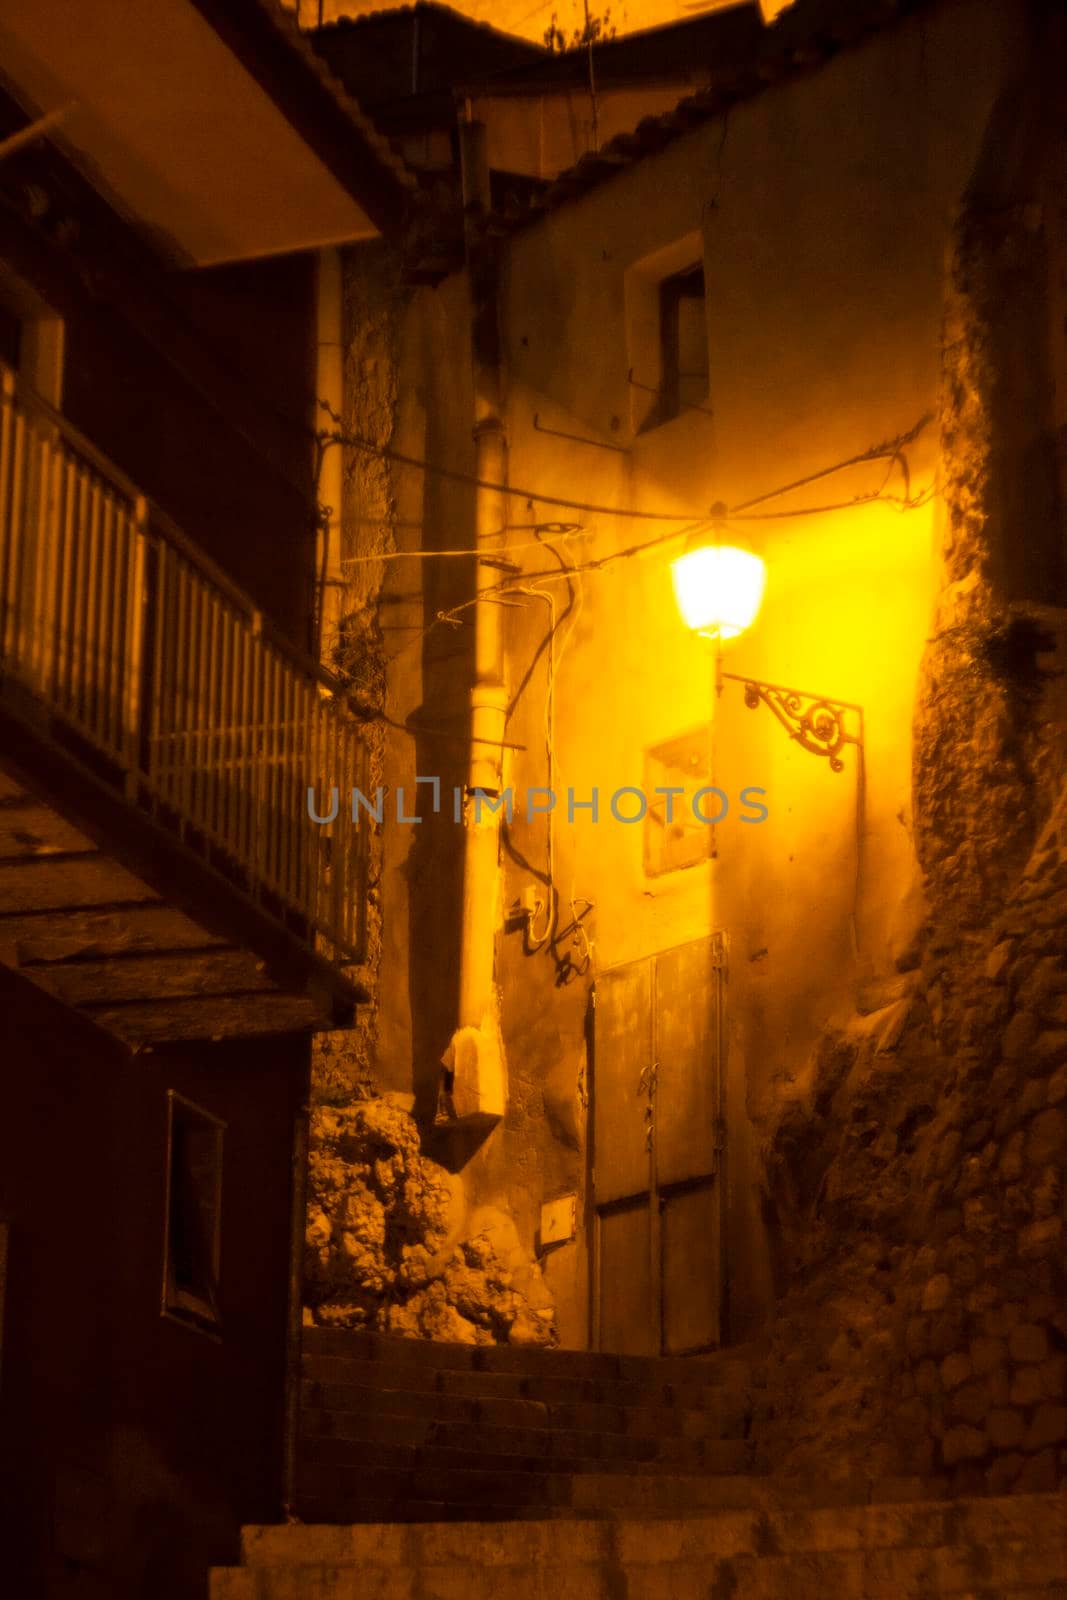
x=816 y=722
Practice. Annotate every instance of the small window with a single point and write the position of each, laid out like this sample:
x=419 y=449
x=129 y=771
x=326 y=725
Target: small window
x=683 y=343
x=192 y=1227
x=31 y=338
x=10 y=337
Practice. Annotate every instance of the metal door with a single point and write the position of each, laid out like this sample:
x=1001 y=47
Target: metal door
x=657 y=1144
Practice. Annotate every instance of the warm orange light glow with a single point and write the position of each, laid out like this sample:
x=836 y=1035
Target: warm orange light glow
x=719 y=589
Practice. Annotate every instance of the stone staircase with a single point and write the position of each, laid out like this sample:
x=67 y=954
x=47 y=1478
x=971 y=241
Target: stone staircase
x=979 y=1549
x=405 y=1430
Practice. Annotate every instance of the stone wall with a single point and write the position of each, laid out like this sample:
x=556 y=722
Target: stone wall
x=918 y=1190
x=914 y=1174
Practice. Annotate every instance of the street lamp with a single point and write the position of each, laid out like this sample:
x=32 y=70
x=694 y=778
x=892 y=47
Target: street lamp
x=719 y=589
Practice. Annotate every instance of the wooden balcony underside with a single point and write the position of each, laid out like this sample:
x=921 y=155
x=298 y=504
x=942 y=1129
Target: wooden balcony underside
x=99 y=938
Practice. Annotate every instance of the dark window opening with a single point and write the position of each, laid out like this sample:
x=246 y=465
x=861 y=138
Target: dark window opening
x=683 y=342
x=10 y=337
x=32 y=338
x=193 y=1216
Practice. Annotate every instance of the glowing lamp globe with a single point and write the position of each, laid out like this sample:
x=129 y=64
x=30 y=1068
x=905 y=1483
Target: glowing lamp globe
x=719 y=588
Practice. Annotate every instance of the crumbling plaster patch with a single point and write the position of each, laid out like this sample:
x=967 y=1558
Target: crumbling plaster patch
x=344 y=1063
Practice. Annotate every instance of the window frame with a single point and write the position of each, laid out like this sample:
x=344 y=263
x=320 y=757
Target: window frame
x=651 y=293
x=41 y=337
x=179 y=1304
x=689 y=284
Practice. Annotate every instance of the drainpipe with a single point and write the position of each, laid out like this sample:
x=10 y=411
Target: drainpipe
x=475 y=1057
x=329 y=388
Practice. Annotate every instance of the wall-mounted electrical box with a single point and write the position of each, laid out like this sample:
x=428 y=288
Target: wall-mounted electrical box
x=559 y=1220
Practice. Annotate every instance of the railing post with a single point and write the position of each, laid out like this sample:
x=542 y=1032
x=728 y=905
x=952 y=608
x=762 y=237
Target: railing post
x=8 y=531
x=138 y=672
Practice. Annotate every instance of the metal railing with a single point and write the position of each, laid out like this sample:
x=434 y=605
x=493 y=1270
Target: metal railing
x=135 y=642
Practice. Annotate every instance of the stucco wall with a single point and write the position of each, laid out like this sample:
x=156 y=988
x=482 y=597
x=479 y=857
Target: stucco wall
x=824 y=214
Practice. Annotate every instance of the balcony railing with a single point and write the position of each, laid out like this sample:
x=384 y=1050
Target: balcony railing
x=168 y=681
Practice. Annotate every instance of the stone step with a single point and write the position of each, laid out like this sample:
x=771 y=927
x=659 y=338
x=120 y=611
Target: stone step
x=852 y=1577
x=544 y=1389
x=758 y=1524
x=983 y=1549
x=330 y=1491
x=730 y=1494
x=428 y=1427
x=410 y=1445
x=523 y=1360
x=419 y=1430
x=723 y=1416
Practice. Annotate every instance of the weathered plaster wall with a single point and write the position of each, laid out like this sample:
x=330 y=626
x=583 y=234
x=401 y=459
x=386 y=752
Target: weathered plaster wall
x=544 y=136
x=823 y=215
x=396 y=1240
x=344 y=1063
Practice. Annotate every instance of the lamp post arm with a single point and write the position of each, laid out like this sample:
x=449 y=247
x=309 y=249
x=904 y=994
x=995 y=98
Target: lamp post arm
x=815 y=721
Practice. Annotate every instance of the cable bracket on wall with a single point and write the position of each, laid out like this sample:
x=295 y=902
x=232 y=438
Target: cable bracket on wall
x=575 y=438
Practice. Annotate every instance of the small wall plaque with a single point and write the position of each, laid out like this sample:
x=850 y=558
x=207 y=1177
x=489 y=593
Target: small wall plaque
x=559 y=1220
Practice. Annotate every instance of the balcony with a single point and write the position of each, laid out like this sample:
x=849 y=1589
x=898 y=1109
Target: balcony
x=158 y=869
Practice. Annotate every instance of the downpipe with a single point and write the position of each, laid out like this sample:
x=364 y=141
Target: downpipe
x=476 y=1073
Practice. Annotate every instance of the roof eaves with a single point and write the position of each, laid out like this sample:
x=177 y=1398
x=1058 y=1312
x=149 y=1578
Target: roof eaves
x=789 y=52
x=265 y=38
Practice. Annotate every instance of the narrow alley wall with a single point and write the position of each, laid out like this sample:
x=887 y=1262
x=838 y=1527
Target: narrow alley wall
x=824 y=302
x=400 y=1236
x=875 y=1067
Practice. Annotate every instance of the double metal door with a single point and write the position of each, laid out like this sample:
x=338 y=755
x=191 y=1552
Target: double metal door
x=658 y=1139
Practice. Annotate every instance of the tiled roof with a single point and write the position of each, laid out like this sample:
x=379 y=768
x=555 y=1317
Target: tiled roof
x=807 y=35
x=373 y=54
x=672 y=51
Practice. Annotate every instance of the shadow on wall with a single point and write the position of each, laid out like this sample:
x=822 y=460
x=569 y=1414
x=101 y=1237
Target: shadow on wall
x=434 y=865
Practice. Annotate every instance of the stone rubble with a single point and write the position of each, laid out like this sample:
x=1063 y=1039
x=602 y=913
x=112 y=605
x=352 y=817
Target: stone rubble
x=921 y=1200
x=389 y=1247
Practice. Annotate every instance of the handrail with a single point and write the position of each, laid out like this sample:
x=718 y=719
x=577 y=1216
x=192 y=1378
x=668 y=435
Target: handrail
x=33 y=402
x=138 y=644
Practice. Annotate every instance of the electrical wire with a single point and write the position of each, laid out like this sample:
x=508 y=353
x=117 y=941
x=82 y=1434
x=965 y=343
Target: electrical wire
x=877 y=452
x=355 y=441
x=535 y=942
x=451 y=617
x=564 y=529
x=555 y=656
x=891 y=448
